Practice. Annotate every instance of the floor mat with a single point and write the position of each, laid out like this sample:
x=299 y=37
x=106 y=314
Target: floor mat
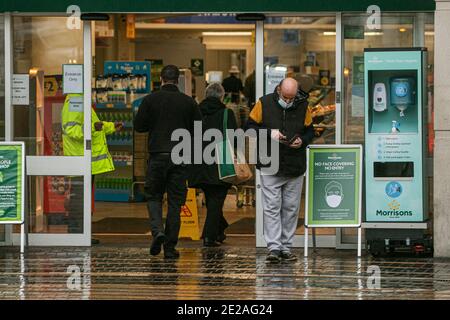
x=246 y=226
x=242 y=226
x=122 y=225
x=142 y=226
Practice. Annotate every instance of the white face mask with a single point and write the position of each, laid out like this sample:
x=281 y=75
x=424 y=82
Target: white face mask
x=333 y=200
x=284 y=104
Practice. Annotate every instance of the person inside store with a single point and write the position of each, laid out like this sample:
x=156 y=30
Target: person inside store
x=250 y=89
x=73 y=145
x=233 y=85
x=285 y=113
x=206 y=176
x=159 y=114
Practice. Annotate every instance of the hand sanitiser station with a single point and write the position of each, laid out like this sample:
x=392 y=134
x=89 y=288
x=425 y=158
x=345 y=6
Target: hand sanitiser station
x=395 y=170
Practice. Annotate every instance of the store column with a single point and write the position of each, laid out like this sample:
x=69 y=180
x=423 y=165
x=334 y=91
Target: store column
x=442 y=130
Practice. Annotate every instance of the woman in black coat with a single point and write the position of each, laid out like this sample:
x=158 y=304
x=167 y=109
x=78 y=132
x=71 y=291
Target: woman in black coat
x=206 y=176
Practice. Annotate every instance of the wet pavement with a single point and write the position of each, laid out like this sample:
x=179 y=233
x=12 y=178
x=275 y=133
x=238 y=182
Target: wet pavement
x=129 y=272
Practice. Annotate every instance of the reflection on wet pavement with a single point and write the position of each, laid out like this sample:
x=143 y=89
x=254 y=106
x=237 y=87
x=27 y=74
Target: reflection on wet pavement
x=215 y=273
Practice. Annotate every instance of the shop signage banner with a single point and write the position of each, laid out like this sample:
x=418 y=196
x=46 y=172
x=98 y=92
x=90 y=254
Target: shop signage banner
x=72 y=78
x=12 y=180
x=21 y=89
x=197 y=67
x=274 y=75
x=353 y=32
x=333 y=186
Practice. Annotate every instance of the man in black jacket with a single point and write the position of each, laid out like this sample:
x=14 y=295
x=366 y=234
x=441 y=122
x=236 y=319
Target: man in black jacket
x=233 y=85
x=286 y=116
x=160 y=114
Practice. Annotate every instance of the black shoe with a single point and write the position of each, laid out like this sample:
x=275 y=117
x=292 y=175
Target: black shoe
x=157 y=242
x=210 y=243
x=221 y=238
x=288 y=256
x=171 y=254
x=273 y=256
x=95 y=241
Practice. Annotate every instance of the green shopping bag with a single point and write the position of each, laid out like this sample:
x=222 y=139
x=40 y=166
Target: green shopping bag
x=225 y=154
x=232 y=169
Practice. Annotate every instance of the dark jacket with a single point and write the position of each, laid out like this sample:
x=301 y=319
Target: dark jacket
x=162 y=112
x=250 y=89
x=233 y=85
x=296 y=120
x=212 y=110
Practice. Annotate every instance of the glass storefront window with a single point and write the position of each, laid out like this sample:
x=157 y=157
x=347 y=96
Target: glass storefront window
x=41 y=46
x=305 y=48
x=429 y=44
x=2 y=78
x=56 y=204
x=2 y=97
x=396 y=31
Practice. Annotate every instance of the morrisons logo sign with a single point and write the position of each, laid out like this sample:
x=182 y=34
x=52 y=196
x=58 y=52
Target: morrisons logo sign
x=395 y=210
x=396 y=213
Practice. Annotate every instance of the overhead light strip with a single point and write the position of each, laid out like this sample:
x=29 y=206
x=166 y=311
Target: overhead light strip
x=227 y=33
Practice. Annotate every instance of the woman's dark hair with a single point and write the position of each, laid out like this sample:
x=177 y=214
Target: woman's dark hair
x=170 y=73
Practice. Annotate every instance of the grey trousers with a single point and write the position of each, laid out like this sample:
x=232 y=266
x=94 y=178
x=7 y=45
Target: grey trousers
x=281 y=203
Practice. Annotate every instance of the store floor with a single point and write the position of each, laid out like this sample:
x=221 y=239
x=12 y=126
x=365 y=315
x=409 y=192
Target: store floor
x=230 y=272
x=117 y=218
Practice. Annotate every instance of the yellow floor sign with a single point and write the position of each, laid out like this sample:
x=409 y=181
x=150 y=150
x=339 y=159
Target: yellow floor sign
x=189 y=217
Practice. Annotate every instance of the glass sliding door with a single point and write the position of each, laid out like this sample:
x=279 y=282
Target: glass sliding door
x=58 y=182
x=304 y=47
x=2 y=103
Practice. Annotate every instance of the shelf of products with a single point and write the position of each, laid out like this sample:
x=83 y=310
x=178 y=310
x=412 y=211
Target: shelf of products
x=116 y=97
x=112 y=189
x=323 y=109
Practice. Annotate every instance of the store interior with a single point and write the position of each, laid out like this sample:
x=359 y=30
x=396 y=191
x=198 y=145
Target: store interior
x=128 y=54
x=216 y=47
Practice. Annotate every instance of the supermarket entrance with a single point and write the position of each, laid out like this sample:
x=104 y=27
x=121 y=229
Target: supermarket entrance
x=206 y=47
x=125 y=60
x=130 y=51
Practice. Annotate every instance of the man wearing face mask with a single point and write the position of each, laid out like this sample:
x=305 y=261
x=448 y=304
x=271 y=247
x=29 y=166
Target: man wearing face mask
x=285 y=113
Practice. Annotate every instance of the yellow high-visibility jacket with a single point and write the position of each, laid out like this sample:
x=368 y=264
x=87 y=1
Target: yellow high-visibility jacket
x=73 y=138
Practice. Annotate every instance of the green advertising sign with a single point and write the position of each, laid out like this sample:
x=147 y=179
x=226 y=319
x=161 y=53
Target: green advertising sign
x=11 y=183
x=333 y=186
x=358 y=70
x=353 y=32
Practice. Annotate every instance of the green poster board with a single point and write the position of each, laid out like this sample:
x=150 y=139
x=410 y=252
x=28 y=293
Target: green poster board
x=12 y=179
x=333 y=186
x=353 y=32
x=358 y=71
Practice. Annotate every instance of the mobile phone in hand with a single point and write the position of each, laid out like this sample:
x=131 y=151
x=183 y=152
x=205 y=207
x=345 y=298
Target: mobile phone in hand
x=294 y=138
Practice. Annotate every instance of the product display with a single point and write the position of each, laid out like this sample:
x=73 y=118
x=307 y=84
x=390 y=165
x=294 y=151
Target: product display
x=127 y=82
x=323 y=111
x=117 y=96
x=112 y=183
